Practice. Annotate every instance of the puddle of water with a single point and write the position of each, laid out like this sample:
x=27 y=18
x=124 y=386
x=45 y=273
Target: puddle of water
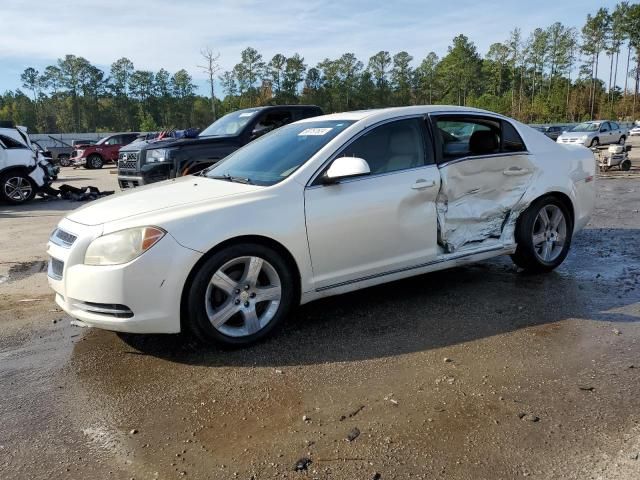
x=23 y=270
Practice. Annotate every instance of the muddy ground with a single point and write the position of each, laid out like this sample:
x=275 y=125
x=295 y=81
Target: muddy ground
x=480 y=372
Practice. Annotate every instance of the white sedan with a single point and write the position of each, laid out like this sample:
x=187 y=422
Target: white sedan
x=320 y=207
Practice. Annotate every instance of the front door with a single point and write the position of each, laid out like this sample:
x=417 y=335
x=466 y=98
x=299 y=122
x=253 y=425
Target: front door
x=379 y=223
x=483 y=174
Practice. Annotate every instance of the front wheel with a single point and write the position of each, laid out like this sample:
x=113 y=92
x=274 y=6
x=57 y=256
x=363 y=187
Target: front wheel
x=240 y=295
x=595 y=143
x=64 y=161
x=625 y=166
x=622 y=140
x=17 y=188
x=94 y=161
x=543 y=235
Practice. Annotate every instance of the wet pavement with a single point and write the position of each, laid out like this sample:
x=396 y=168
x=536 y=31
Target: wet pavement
x=472 y=373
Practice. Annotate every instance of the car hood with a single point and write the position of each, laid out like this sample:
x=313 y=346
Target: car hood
x=158 y=196
x=173 y=142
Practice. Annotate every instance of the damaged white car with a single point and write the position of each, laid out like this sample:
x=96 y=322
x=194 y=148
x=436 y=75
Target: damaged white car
x=23 y=169
x=316 y=208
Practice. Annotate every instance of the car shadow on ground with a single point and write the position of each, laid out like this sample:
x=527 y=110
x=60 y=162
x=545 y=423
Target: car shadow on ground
x=599 y=281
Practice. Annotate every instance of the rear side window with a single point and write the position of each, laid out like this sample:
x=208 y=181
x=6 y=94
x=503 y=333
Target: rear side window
x=511 y=140
x=461 y=137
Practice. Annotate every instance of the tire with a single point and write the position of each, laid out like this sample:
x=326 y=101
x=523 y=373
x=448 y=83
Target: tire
x=17 y=188
x=539 y=248
x=94 y=161
x=64 y=161
x=622 y=140
x=625 y=166
x=595 y=142
x=224 y=291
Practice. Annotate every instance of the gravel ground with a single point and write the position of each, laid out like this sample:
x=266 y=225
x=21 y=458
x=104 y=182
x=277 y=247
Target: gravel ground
x=479 y=372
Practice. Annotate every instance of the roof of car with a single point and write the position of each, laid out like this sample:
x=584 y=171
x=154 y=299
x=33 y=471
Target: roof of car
x=392 y=112
x=266 y=107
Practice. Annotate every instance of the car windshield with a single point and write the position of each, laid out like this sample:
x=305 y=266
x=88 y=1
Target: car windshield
x=277 y=155
x=229 y=125
x=586 y=127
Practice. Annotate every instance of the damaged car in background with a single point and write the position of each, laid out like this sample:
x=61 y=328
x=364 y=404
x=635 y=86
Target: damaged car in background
x=24 y=170
x=320 y=207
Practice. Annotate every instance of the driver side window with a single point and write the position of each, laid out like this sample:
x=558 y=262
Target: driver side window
x=270 y=121
x=391 y=147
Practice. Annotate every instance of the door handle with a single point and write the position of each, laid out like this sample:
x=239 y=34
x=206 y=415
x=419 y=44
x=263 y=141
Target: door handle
x=421 y=183
x=514 y=172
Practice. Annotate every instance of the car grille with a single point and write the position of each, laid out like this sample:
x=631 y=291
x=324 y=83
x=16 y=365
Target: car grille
x=56 y=267
x=128 y=160
x=62 y=238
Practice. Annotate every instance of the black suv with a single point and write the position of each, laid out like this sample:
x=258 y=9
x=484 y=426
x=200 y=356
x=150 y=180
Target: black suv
x=152 y=161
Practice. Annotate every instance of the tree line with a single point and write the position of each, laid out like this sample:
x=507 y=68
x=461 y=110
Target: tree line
x=554 y=74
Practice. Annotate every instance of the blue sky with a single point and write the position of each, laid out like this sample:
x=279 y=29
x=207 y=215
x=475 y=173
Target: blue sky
x=170 y=34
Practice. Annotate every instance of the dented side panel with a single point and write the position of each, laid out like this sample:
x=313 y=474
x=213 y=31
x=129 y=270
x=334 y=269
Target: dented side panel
x=477 y=200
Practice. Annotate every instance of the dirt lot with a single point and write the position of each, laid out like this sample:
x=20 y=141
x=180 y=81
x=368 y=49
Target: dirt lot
x=474 y=373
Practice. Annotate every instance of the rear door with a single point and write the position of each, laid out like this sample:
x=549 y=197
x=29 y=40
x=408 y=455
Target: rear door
x=606 y=135
x=483 y=176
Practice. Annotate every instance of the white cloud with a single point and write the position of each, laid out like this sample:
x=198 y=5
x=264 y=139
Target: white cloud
x=170 y=34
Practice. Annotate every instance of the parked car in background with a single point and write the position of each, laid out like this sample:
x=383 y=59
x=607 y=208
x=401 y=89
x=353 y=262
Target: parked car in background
x=155 y=160
x=551 y=131
x=320 y=207
x=635 y=131
x=104 y=151
x=23 y=169
x=593 y=134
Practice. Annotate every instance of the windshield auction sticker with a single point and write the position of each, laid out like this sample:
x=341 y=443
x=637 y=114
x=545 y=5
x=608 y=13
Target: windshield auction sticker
x=314 y=131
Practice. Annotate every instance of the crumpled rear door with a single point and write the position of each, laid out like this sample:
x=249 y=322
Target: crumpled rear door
x=485 y=170
x=477 y=196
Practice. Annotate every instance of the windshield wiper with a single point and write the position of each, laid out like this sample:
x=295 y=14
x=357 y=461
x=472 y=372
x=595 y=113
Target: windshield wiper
x=230 y=178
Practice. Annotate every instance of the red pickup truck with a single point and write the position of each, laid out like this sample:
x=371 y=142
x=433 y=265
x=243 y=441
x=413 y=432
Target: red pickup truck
x=105 y=151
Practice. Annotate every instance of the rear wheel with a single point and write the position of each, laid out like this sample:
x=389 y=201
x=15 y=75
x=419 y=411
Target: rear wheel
x=625 y=166
x=16 y=188
x=94 y=161
x=64 y=160
x=543 y=235
x=240 y=295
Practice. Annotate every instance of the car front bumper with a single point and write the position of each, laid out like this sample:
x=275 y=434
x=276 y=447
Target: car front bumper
x=142 y=296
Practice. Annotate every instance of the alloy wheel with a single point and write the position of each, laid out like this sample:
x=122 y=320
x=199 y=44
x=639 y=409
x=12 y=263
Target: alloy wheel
x=18 y=189
x=549 y=233
x=243 y=296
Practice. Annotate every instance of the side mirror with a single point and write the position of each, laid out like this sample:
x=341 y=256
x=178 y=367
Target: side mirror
x=346 y=167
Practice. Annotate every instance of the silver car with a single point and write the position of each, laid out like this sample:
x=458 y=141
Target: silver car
x=593 y=134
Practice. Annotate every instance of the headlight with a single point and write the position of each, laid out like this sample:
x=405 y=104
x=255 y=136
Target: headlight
x=123 y=246
x=157 y=155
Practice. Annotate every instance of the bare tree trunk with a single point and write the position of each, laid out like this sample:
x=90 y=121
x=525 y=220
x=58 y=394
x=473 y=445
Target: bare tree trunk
x=595 y=79
x=626 y=77
x=610 y=93
x=635 y=92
